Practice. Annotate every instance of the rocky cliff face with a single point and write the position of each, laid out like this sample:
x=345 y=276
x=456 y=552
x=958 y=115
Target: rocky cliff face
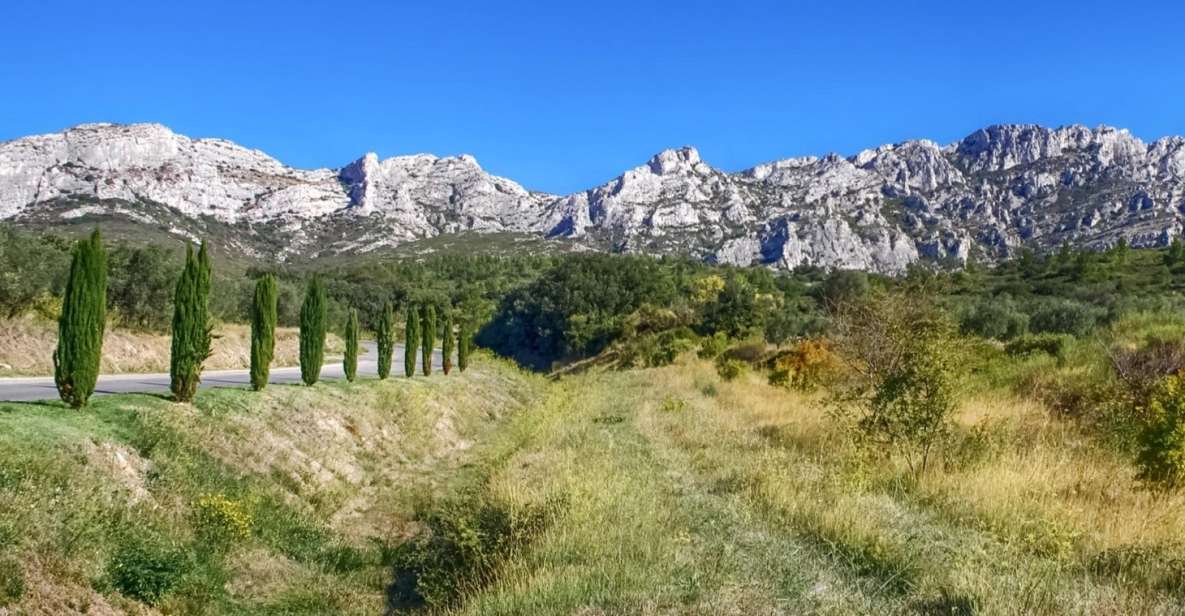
x=1001 y=188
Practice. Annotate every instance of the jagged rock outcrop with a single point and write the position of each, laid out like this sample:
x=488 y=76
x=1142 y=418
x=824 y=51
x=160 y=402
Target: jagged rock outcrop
x=1000 y=188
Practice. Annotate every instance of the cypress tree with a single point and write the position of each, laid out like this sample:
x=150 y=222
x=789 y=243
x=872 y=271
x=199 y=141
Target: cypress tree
x=312 y=332
x=80 y=327
x=463 y=341
x=263 y=330
x=428 y=335
x=350 y=363
x=411 y=341
x=191 y=325
x=385 y=339
x=446 y=342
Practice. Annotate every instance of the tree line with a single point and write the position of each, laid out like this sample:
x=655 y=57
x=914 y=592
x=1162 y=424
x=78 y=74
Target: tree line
x=83 y=317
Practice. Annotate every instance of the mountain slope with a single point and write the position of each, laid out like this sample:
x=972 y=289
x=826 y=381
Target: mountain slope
x=1000 y=188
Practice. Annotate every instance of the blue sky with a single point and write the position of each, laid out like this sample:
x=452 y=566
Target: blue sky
x=564 y=96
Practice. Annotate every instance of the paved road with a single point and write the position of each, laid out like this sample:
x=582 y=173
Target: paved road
x=20 y=389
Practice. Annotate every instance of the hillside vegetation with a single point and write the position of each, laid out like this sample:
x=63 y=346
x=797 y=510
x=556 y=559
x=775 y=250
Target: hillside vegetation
x=662 y=490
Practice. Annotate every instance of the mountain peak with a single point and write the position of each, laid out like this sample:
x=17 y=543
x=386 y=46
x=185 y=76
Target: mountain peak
x=673 y=160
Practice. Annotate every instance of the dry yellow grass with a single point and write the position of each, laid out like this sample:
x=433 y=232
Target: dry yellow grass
x=27 y=344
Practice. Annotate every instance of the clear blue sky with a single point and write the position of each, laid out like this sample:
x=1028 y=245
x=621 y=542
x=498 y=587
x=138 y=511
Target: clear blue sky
x=562 y=98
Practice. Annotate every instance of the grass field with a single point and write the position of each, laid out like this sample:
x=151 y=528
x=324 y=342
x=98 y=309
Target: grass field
x=660 y=491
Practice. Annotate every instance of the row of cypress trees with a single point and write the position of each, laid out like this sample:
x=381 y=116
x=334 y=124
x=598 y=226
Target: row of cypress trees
x=420 y=337
x=82 y=322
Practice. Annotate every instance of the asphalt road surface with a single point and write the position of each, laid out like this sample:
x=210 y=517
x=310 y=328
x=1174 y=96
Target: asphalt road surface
x=22 y=389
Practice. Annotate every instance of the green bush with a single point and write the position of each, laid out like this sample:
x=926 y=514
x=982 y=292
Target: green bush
x=993 y=318
x=1161 y=456
x=145 y=569
x=1063 y=317
x=465 y=541
x=730 y=368
x=1050 y=344
x=710 y=347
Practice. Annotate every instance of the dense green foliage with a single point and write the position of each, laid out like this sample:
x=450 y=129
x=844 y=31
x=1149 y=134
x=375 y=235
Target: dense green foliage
x=263 y=330
x=411 y=341
x=447 y=341
x=192 y=327
x=427 y=335
x=312 y=332
x=384 y=333
x=83 y=320
x=350 y=359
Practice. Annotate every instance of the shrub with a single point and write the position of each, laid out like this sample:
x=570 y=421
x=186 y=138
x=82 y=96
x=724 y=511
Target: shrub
x=1063 y=317
x=993 y=318
x=1050 y=344
x=145 y=569
x=465 y=541
x=191 y=325
x=1161 y=456
x=710 y=347
x=221 y=522
x=1141 y=368
x=80 y=329
x=902 y=351
x=313 y=313
x=843 y=287
x=729 y=368
x=263 y=330
x=808 y=365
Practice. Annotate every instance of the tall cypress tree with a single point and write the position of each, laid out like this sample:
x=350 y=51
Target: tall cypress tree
x=191 y=325
x=80 y=327
x=263 y=330
x=385 y=339
x=428 y=335
x=350 y=362
x=312 y=332
x=446 y=342
x=411 y=341
x=463 y=341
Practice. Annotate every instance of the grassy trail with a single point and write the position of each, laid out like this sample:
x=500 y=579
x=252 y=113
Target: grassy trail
x=692 y=496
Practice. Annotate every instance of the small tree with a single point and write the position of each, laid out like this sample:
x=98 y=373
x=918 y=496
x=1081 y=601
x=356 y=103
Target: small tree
x=350 y=362
x=446 y=342
x=1161 y=452
x=464 y=339
x=312 y=332
x=385 y=339
x=899 y=347
x=411 y=341
x=428 y=335
x=263 y=330
x=80 y=326
x=191 y=325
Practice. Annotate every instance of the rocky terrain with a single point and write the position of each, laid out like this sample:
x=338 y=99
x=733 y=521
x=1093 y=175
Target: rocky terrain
x=997 y=190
